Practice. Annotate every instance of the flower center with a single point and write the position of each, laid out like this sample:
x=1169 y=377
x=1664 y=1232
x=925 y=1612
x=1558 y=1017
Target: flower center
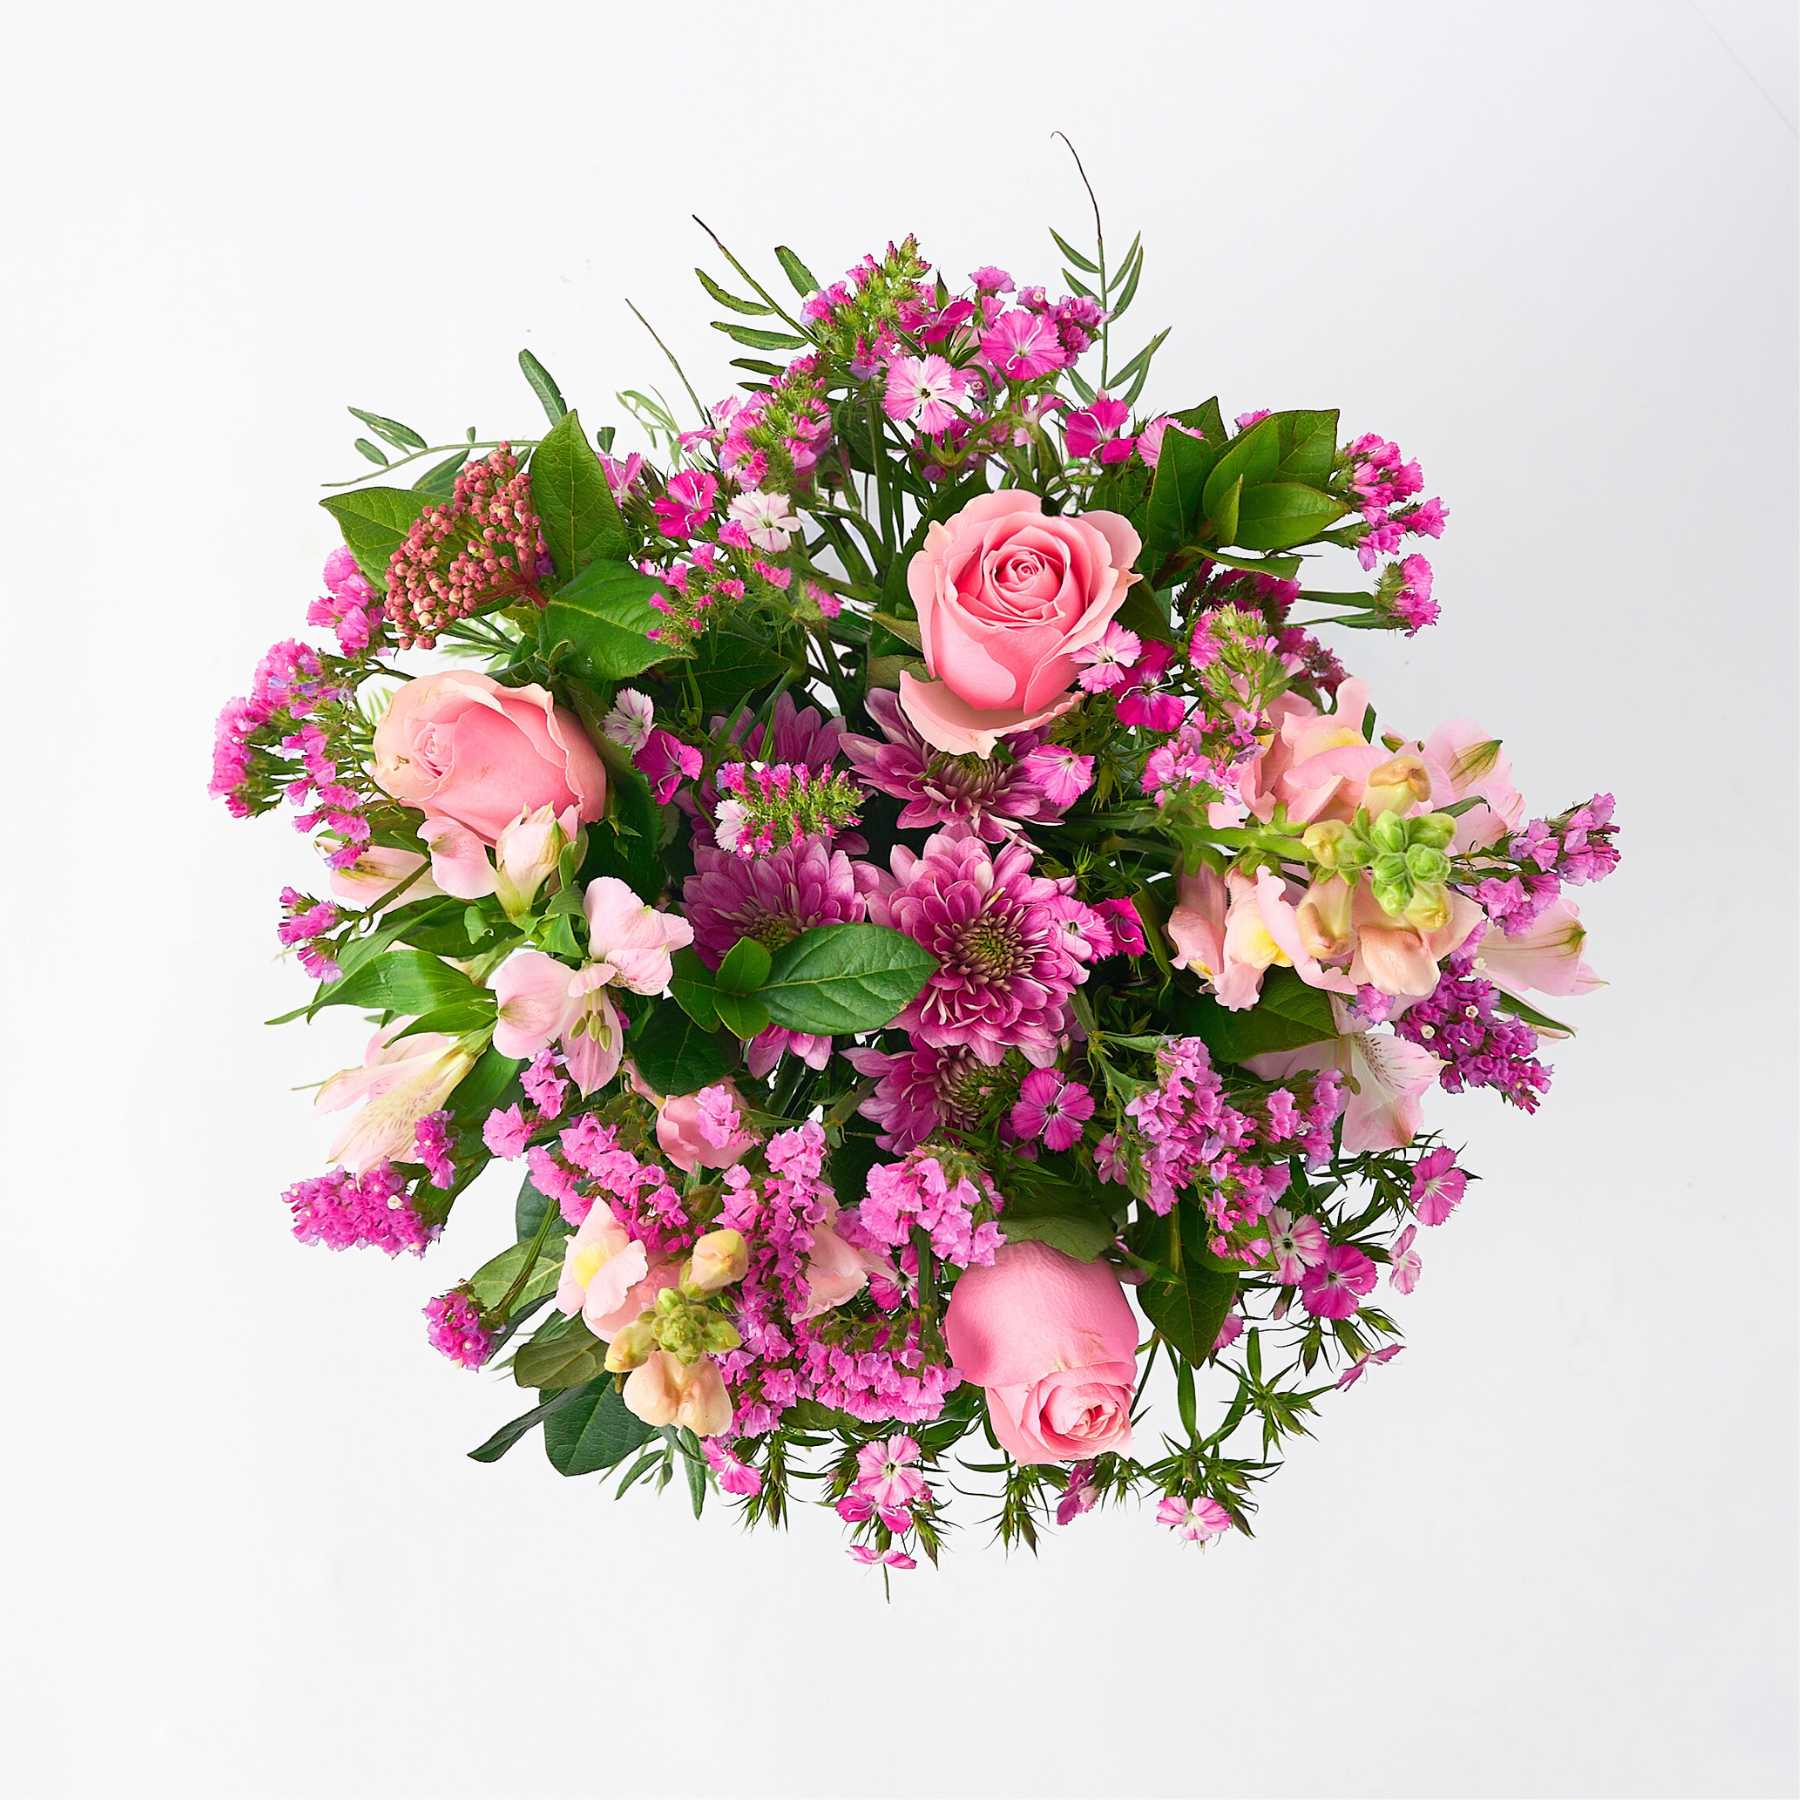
x=990 y=948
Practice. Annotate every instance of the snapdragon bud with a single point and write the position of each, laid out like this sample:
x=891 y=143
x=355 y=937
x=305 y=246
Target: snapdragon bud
x=1436 y=831
x=1397 y=784
x=1429 y=907
x=719 y=1259
x=1425 y=864
x=1388 y=832
x=1332 y=844
x=631 y=1345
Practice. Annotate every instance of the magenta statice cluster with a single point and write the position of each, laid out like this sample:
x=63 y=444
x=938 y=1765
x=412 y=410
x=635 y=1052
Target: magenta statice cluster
x=891 y=860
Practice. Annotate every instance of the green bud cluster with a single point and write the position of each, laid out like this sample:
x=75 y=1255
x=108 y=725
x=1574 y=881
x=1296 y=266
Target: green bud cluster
x=688 y=1328
x=1406 y=860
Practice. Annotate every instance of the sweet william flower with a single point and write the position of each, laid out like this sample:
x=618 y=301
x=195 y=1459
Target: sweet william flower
x=1438 y=1186
x=1334 y=1286
x=766 y=517
x=922 y=391
x=1403 y=1264
x=1021 y=346
x=1051 y=1109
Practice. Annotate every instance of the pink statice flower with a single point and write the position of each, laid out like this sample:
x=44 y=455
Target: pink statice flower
x=1403 y=1262
x=919 y=1194
x=1198 y=1521
x=432 y=1145
x=343 y=1210
x=1333 y=1287
x=1021 y=346
x=1437 y=1186
x=506 y=1132
x=453 y=1324
x=1104 y=663
x=1413 y=602
x=1051 y=1110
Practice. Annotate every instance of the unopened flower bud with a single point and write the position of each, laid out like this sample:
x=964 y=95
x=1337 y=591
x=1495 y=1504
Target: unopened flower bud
x=1388 y=832
x=1436 y=831
x=1396 y=785
x=721 y=1335
x=631 y=1345
x=1429 y=907
x=1425 y=864
x=526 y=857
x=719 y=1259
x=1327 y=843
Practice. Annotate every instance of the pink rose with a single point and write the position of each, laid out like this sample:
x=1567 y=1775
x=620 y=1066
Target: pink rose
x=1054 y=1343
x=1005 y=597
x=460 y=746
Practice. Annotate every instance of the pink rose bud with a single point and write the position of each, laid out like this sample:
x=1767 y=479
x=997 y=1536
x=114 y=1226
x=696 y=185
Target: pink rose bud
x=1005 y=597
x=1054 y=1343
x=459 y=746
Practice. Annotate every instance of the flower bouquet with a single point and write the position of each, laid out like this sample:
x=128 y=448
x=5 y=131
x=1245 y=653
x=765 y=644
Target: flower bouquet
x=893 y=863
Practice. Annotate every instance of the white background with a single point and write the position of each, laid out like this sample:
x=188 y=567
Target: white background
x=1550 y=248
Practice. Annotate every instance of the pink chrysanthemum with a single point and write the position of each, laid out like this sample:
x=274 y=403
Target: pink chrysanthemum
x=922 y=1092
x=1004 y=972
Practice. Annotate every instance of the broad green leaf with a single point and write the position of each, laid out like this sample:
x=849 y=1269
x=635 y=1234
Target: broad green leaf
x=605 y=616
x=1288 y=1016
x=1252 y=456
x=594 y=1431
x=575 y=506
x=402 y=437
x=743 y=1015
x=1188 y=1308
x=1145 y=612
x=567 y=1359
x=375 y=522
x=543 y=384
x=696 y=991
x=675 y=1055
x=745 y=968
x=729 y=666
x=1308 y=443
x=804 y=281
x=492 y=1282
x=1206 y=418
x=1176 y=500
x=1221 y=524
x=1058 y=1214
x=401 y=981
x=529 y=1209
x=843 y=978
x=1280 y=514
x=483 y=1088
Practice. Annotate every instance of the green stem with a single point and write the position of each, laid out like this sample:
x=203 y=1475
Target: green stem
x=699 y=404
x=400 y=462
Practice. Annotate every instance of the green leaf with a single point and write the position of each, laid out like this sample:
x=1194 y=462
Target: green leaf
x=604 y=615
x=842 y=978
x=1188 y=1308
x=401 y=981
x=729 y=666
x=391 y=431
x=1074 y=255
x=439 y=481
x=458 y=1016
x=1222 y=519
x=1251 y=457
x=743 y=1015
x=1145 y=612
x=1538 y=1021
x=375 y=522
x=1045 y=1211
x=375 y=455
x=529 y=1209
x=745 y=968
x=754 y=337
x=479 y=1091
x=492 y=1282
x=849 y=1163
x=676 y=1056
x=804 y=281
x=1279 y=514
x=1175 y=496
x=1308 y=443
x=543 y=384
x=567 y=1359
x=575 y=506
x=594 y=1431
x=514 y=1429
x=1288 y=1016
x=754 y=308
x=696 y=991
x=1206 y=418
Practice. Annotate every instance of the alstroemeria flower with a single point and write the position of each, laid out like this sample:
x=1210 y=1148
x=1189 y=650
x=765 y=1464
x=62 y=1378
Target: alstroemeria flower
x=401 y=1080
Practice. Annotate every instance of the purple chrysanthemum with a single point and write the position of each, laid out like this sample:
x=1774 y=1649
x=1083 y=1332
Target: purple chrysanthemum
x=773 y=899
x=1004 y=972
x=993 y=794
x=921 y=1093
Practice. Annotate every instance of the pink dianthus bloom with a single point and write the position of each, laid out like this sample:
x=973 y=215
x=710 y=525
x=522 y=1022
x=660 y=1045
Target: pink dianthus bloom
x=1437 y=1186
x=1022 y=346
x=1334 y=1286
x=1198 y=1521
x=1051 y=1109
x=921 y=391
